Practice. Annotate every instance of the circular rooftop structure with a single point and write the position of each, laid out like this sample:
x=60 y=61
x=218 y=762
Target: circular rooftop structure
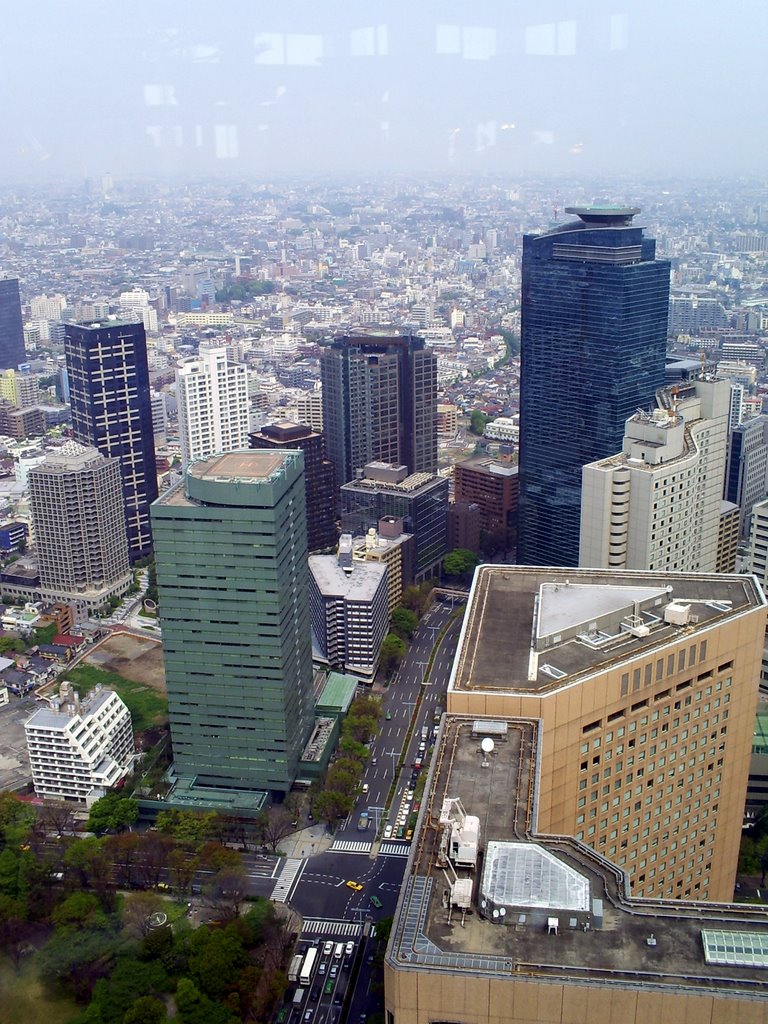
x=604 y=216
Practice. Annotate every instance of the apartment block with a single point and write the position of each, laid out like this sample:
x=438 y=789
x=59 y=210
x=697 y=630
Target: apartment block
x=656 y=504
x=213 y=405
x=77 y=511
x=379 y=401
x=348 y=608
x=79 y=747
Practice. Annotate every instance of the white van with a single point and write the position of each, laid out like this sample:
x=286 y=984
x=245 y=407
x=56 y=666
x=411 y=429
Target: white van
x=338 y=952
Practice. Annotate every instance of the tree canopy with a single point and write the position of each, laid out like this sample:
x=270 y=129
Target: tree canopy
x=393 y=650
x=112 y=813
x=404 y=622
x=460 y=562
x=477 y=422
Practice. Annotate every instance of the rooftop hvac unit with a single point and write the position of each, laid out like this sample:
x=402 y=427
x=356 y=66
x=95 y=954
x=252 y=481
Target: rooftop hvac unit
x=676 y=614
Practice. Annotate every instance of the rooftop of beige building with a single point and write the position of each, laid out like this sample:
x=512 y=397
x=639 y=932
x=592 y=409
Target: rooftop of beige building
x=484 y=894
x=538 y=629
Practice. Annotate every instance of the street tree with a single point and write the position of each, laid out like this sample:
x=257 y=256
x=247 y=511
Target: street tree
x=273 y=825
x=112 y=813
x=152 y=857
x=331 y=805
x=57 y=817
x=123 y=850
x=393 y=650
x=418 y=597
x=90 y=861
x=354 y=749
x=189 y=825
x=182 y=868
x=404 y=622
x=215 y=857
x=226 y=891
x=459 y=563
x=138 y=910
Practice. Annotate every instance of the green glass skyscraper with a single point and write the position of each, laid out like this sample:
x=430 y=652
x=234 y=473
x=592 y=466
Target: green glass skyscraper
x=231 y=554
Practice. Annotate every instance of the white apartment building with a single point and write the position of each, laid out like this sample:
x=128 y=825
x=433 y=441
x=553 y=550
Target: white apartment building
x=134 y=305
x=656 y=504
x=213 y=405
x=349 y=611
x=79 y=748
x=47 y=307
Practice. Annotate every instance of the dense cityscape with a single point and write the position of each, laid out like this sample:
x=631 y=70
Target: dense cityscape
x=382 y=586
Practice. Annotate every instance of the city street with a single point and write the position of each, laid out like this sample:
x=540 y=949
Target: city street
x=316 y=886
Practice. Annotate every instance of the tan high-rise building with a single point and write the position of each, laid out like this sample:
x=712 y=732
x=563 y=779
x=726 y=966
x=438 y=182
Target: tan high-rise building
x=77 y=510
x=578 y=833
x=656 y=504
x=645 y=685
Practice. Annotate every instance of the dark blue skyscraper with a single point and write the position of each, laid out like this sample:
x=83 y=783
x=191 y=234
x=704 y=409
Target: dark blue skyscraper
x=11 y=328
x=593 y=339
x=111 y=410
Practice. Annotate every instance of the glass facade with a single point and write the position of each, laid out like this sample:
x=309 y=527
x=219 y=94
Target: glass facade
x=112 y=410
x=231 y=555
x=593 y=341
x=11 y=328
x=423 y=509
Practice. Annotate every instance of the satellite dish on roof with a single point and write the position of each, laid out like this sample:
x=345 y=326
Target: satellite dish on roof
x=487 y=745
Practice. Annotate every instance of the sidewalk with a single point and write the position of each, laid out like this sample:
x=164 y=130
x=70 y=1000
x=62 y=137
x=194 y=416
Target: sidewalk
x=306 y=842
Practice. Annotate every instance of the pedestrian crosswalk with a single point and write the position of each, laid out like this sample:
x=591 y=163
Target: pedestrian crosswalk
x=285 y=879
x=394 y=849
x=350 y=846
x=313 y=926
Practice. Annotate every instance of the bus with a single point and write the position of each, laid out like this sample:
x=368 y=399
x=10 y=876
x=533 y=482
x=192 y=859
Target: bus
x=295 y=968
x=309 y=965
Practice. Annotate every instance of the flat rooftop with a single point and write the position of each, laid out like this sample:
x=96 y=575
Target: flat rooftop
x=253 y=465
x=535 y=629
x=567 y=911
x=361 y=584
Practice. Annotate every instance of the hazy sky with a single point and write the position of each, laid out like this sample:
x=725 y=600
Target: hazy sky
x=513 y=86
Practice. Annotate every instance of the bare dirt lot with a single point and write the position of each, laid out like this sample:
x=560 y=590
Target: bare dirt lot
x=137 y=658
